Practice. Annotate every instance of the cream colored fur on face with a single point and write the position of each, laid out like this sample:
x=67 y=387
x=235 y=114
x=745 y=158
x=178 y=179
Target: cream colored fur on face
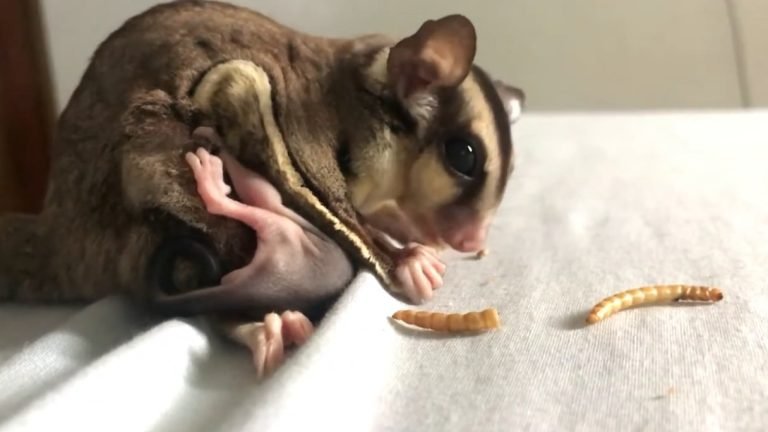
x=425 y=184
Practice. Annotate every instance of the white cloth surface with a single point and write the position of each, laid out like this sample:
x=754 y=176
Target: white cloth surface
x=599 y=203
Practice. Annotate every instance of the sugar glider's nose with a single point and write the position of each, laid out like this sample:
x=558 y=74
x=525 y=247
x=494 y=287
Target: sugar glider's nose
x=470 y=238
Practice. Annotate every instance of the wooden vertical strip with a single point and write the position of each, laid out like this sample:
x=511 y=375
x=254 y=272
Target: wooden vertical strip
x=9 y=194
x=26 y=99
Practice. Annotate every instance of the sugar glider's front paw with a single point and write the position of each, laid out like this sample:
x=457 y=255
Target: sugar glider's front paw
x=269 y=340
x=419 y=272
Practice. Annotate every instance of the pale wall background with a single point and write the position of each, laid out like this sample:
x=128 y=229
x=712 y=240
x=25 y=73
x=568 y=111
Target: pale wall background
x=567 y=54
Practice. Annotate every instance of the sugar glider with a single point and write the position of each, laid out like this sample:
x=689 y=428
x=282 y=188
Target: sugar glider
x=365 y=138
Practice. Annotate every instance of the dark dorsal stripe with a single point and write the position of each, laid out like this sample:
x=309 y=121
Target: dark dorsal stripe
x=501 y=123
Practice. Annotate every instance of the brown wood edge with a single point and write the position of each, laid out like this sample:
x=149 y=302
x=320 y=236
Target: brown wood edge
x=26 y=99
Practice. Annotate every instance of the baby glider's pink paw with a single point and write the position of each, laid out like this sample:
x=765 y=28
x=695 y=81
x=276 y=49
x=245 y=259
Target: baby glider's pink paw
x=266 y=344
x=419 y=272
x=297 y=328
x=269 y=341
x=209 y=175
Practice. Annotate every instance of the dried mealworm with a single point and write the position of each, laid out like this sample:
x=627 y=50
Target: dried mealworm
x=656 y=294
x=450 y=322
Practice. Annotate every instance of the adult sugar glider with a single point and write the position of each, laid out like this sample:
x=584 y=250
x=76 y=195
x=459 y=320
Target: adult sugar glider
x=360 y=136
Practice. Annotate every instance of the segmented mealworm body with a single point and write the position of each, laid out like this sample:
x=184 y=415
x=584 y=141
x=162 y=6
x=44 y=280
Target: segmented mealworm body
x=450 y=322
x=656 y=294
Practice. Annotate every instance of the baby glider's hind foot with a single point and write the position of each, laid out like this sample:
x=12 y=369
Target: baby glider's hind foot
x=269 y=340
x=209 y=175
x=297 y=328
x=267 y=345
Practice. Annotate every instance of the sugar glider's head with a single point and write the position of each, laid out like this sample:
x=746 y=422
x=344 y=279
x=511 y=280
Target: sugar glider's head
x=455 y=122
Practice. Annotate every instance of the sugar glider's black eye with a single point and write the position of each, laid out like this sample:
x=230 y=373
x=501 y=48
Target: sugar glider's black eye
x=460 y=154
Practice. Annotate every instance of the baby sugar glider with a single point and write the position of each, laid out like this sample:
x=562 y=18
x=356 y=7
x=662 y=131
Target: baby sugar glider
x=295 y=266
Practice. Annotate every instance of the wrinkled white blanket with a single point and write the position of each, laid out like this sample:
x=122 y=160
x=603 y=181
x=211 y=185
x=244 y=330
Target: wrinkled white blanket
x=599 y=203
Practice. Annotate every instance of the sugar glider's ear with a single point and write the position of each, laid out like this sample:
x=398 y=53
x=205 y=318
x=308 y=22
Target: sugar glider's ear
x=513 y=99
x=439 y=54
